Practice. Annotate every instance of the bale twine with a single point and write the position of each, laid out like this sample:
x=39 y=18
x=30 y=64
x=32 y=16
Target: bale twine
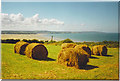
x=69 y=57
x=83 y=49
x=68 y=45
x=20 y=47
x=36 y=51
x=100 y=50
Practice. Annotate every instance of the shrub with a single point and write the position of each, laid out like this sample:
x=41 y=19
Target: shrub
x=41 y=41
x=67 y=41
x=34 y=41
x=52 y=41
x=25 y=40
x=46 y=41
x=13 y=41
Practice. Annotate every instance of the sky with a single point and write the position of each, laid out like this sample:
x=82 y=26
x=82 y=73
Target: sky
x=60 y=16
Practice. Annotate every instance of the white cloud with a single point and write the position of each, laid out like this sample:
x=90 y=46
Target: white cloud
x=16 y=17
x=55 y=21
x=82 y=24
x=18 y=20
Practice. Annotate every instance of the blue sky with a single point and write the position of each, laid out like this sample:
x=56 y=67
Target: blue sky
x=76 y=16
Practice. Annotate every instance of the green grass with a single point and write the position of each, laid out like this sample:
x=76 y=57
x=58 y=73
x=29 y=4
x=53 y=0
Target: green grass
x=16 y=66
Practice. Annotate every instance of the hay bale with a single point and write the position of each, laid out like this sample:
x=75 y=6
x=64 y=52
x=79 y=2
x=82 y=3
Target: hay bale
x=99 y=50
x=69 y=57
x=83 y=45
x=95 y=50
x=83 y=49
x=36 y=51
x=68 y=45
x=20 y=47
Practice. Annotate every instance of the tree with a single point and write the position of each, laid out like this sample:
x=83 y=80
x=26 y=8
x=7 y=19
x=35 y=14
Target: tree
x=67 y=41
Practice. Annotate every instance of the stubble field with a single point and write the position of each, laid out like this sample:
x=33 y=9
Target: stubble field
x=16 y=66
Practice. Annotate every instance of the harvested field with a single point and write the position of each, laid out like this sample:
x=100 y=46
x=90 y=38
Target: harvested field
x=16 y=66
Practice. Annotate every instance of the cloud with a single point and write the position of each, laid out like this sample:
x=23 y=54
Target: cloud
x=18 y=20
x=82 y=24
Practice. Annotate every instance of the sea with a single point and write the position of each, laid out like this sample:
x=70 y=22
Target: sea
x=85 y=36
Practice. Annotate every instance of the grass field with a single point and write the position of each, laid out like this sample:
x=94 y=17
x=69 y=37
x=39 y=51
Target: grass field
x=16 y=66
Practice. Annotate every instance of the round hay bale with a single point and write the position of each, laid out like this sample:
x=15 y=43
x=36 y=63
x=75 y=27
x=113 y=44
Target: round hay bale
x=100 y=50
x=104 y=50
x=83 y=49
x=83 y=45
x=68 y=45
x=95 y=50
x=82 y=59
x=20 y=47
x=69 y=57
x=36 y=51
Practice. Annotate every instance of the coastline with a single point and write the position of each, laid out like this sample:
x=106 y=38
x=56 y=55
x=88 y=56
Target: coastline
x=31 y=36
x=57 y=37
x=24 y=36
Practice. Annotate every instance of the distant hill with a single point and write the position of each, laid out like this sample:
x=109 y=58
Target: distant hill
x=22 y=32
x=45 y=32
x=31 y=32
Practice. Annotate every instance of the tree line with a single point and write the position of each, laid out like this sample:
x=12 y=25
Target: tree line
x=110 y=44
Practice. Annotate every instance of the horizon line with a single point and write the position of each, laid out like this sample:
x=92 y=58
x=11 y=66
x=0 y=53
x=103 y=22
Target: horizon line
x=59 y=0
x=61 y=31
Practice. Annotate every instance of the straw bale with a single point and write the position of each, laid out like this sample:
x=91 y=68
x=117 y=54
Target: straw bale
x=70 y=57
x=20 y=47
x=83 y=49
x=68 y=45
x=36 y=51
x=99 y=50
